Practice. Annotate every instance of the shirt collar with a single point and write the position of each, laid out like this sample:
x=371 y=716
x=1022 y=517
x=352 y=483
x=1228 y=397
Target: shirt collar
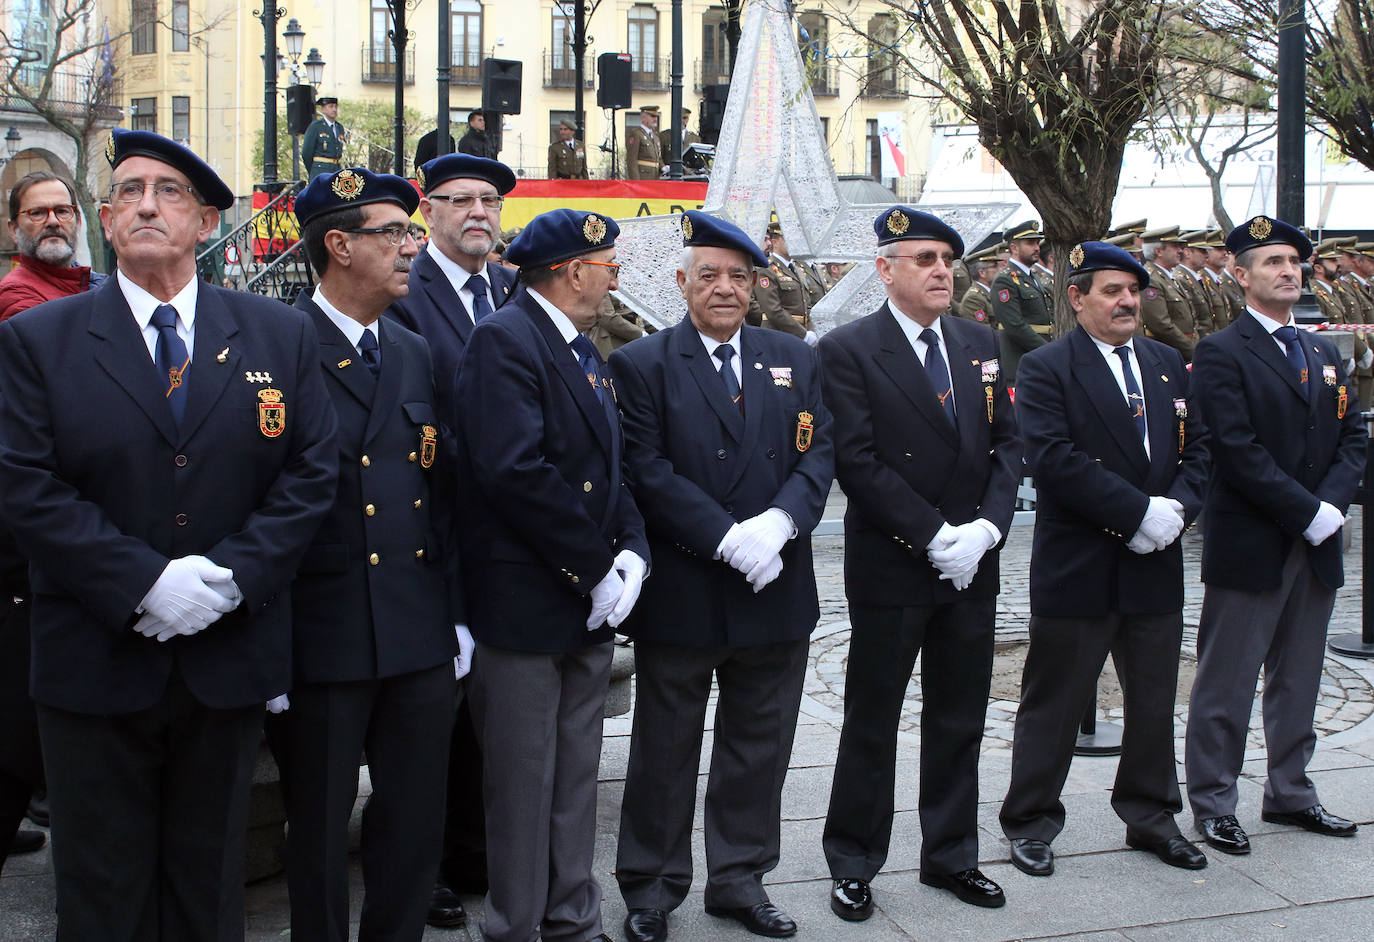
x=560 y=320
x=142 y=304
x=1268 y=323
x=711 y=343
x=347 y=325
x=1107 y=350
x=457 y=275
x=1019 y=265
x=911 y=328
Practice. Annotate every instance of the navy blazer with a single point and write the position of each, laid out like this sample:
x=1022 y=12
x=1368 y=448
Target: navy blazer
x=696 y=467
x=1276 y=454
x=1093 y=481
x=904 y=468
x=433 y=310
x=101 y=490
x=356 y=619
x=544 y=508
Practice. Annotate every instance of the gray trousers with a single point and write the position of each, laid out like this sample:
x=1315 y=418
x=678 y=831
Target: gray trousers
x=756 y=719
x=1283 y=630
x=539 y=722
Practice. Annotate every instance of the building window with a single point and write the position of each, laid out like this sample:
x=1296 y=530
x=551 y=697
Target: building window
x=825 y=130
x=874 y=146
x=382 y=52
x=643 y=44
x=813 y=38
x=143 y=114
x=881 y=80
x=143 y=27
x=181 y=25
x=715 y=51
x=181 y=119
x=467 y=42
x=561 y=45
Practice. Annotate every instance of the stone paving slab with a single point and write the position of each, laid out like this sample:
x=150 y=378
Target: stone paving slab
x=1332 y=922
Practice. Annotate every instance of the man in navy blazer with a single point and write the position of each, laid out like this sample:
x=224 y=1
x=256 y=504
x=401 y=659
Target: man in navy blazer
x=167 y=453
x=452 y=286
x=374 y=628
x=927 y=452
x=1288 y=451
x=1119 y=457
x=729 y=455
x=554 y=554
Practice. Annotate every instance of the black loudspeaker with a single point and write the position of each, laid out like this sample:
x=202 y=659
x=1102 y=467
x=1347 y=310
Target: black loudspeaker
x=501 y=85
x=613 y=85
x=713 y=98
x=300 y=108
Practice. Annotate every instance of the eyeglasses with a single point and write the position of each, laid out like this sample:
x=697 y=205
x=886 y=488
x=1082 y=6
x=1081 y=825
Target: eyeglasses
x=396 y=235
x=166 y=191
x=926 y=259
x=64 y=213
x=615 y=269
x=459 y=201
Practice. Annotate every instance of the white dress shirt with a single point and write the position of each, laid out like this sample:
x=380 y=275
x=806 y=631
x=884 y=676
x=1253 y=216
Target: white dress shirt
x=142 y=304
x=912 y=330
x=560 y=321
x=458 y=277
x=1119 y=374
x=351 y=328
x=711 y=346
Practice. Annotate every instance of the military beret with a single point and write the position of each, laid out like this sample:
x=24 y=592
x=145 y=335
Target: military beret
x=559 y=235
x=1030 y=229
x=464 y=167
x=327 y=100
x=124 y=144
x=353 y=186
x=1162 y=234
x=900 y=223
x=1197 y=239
x=702 y=230
x=565 y=123
x=1262 y=230
x=1103 y=256
x=1134 y=227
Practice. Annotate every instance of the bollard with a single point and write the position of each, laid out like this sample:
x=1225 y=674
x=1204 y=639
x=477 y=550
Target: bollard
x=1350 y=643
x=1097 y=739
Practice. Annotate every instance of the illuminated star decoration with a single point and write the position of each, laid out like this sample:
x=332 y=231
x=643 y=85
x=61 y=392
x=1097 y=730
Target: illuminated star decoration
x=772 y=156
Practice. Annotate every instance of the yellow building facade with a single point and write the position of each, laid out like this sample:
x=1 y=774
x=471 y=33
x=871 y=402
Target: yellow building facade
x=192 y=70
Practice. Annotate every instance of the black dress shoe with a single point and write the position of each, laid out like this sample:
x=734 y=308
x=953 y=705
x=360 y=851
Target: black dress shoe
x=646 y=925
x=1315 y=819
x=969 y=885
x=760 y=919
x=851 y=900
x=445 y=909
x=1225 y=834
x=1032 y=856
x=1177 y=851
x=37 y=812
x=26 y=841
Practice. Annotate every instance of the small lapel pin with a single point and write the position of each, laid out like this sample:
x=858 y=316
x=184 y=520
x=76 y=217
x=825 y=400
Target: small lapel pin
x=1163 y=377
x=343 y=363
x=975 y=362
x=223 y=356
x=758 y=366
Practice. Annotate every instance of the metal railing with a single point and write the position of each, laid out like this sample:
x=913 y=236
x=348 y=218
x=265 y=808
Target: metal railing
x=560 y=70
x=887 y=82
x=263 y=254
x=824 y=75
x=651 y=74
x=379 y=63
x=466 y=68
x=711 y=72
x=70 y=93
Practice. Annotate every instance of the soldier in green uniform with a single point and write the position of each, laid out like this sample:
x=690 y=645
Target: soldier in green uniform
x=779 y=301
x=775 y=247
x=1165 y=309
x=1354 y=289
x=689 y=137
x=643 y=152
x=1225 y=309
x=1189 y=275
x=322 y=151
x=963 y=277
x=567 y=156
x=976 y=304
x=1019 y=303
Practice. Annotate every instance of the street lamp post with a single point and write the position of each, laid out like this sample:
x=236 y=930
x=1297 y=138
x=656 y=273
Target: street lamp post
x=295 y=40
x=269 y=17
x=12 y=139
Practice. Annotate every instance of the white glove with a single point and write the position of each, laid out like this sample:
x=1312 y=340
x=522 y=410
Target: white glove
x=631 y=569
x=762 y=537
x=189 y=596
x=1368 y=359
x=1327 y=521
x=811 y=338
x=1162 y=524
x=1142 y=544
x=960 y=557
x=604 y=597
x=729 y=541
x=766 y=574
x=942 y=538
x=279 y=704
x=463 y=662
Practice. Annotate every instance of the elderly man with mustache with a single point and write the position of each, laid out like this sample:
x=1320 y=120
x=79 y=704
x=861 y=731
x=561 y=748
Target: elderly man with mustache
x=43 y=221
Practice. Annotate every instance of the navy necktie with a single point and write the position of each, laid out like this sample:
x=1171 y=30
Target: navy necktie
x=725 y=353
x=586 y=357
x=1133 y=394
x=938 y=372
x=1288 y=334
x=172 y=360
x=478 y=286
x=372 y=356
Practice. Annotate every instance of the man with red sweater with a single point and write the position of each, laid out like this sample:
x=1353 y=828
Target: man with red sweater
x=43 y=217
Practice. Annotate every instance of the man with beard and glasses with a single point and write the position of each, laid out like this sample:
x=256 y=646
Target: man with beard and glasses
x=43 y=222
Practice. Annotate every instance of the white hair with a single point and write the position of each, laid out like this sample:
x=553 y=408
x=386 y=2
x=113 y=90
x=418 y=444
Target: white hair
x=684 y=263
x=890 y=249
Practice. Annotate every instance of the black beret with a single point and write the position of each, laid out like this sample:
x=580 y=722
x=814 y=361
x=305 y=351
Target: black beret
x=702 y=230
x=561 y=234
x=465 y=167
x=1262 y=230
x=902 y=222
x=354 y=186
x=124 y=144
x=1103 y=256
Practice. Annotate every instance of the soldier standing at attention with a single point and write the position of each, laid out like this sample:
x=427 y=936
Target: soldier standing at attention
x=1019 y=302
x=643 y=151
x=322 y=150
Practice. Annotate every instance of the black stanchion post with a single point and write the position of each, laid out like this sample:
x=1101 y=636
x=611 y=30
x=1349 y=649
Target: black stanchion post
x=1096 y=739
x=1350 y=643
